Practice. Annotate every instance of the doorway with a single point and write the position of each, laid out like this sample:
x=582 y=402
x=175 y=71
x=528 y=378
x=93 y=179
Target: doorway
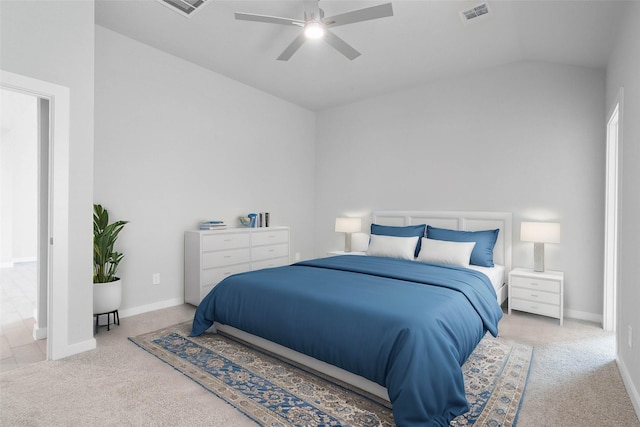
x=54 y=240
x=613 y=152
x=24 y=218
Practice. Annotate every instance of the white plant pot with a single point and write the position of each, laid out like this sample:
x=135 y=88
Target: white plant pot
x=107 y=296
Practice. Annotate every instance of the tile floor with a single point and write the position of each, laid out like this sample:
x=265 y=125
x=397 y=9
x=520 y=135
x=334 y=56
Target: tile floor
x=17 y=305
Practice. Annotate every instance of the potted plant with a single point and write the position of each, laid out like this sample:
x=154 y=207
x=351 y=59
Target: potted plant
x=107 y=287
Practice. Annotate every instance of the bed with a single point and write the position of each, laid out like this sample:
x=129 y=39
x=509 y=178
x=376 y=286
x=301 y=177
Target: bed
x=397 y=328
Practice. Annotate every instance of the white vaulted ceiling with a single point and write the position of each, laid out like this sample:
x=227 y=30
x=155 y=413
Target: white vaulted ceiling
x=425 y=40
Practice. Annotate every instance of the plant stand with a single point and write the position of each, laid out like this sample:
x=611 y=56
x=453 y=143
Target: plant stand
x=116 y=319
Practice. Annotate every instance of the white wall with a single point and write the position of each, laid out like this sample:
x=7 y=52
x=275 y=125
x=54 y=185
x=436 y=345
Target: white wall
x=176 y=144
x=624 y=71
x=53 y=41
x=526 y=138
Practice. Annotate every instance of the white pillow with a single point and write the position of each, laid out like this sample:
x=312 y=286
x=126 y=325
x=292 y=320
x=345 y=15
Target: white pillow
x=392 y=247
x=445 y=252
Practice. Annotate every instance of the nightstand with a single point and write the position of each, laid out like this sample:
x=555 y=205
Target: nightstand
x=332 y=253
x=537 y=292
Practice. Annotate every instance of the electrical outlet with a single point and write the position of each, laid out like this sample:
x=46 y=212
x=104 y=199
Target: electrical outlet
x=156 y=278
x=297 y=256
x=630 y=335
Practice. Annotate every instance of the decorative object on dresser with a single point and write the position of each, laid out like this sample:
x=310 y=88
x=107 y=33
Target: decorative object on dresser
x=539 y=233
x=107 y=287
x=537 y=292
x=210 y=256
x=348 y=226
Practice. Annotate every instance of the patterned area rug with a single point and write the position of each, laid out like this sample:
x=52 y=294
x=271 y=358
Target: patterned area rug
x=278 y=393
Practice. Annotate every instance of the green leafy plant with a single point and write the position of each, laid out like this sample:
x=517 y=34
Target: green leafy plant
x=105 y=258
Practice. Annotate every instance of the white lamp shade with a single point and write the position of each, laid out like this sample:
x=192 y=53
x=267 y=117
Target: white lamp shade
x=348 y=225
x=540 y=232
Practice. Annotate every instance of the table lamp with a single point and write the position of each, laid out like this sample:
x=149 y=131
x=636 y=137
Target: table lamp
x=348 y=226
x=539 y=233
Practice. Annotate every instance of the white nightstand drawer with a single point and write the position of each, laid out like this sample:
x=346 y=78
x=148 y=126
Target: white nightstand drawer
x=270 y=263
x=221 y=258
x=272 y=251
x=216 y=242
x=534 y=307
x=536 y=296
x=214 y=275
x=535 y=283
x=269 y=237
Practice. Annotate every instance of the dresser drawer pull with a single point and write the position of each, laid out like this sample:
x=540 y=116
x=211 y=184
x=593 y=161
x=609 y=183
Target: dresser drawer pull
x=534 y=284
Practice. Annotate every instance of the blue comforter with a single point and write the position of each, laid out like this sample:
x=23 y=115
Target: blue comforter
x=406 y=325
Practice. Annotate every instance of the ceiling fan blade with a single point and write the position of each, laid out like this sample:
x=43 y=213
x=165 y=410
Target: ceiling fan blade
x=268 y=19
x=366 y=14
x=292 y=48
x=340 y=45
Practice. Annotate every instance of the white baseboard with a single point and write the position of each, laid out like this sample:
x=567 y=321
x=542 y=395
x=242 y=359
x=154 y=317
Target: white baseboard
x=634 y=395
x=39 y=333
x=71 y=349
x=127 y=312
x=583 y=315
x=25 y=259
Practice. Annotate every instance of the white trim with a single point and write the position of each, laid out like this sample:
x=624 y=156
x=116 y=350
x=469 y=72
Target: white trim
x=632 y=391
x=58 y=345
x=39 y=333
x=150 y=307
x=611 y=224
x=25 y=259
x=583 y=315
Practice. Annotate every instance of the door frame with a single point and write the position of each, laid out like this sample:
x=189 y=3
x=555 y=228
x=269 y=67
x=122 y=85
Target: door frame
x=612 y=213
x=57 y=325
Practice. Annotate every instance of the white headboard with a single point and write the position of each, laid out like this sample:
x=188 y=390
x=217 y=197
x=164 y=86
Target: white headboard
x=467 y=221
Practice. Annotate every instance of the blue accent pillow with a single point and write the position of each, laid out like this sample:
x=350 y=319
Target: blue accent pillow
x=482 y=254
x=407 y=231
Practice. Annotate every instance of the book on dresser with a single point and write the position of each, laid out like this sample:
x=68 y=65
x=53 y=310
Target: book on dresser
x=212 y=255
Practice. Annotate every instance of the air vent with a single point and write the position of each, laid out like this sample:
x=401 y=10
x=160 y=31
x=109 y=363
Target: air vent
x=185 y=7
x=481 y=10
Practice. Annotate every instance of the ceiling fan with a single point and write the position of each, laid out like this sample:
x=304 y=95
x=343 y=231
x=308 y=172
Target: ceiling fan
x=316 y=26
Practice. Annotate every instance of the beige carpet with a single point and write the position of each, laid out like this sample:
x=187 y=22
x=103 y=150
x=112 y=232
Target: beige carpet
x=573 y=381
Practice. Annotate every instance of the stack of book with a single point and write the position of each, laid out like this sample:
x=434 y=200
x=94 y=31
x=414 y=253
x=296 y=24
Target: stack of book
x=212 y=225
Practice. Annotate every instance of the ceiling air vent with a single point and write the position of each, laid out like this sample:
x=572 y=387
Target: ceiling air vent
x=185 y=7
x=481 y=10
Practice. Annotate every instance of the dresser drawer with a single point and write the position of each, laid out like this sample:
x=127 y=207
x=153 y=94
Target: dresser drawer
x=223 y=258
x=546 y=285
x=270 y=263
x=212 y=276
x=271 y=251
x=269 y=237
x=535 y=296
x=216 y=242
x=534 y=307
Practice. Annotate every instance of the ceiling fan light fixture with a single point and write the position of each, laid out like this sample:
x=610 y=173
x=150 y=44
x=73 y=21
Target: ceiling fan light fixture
x=314 y=30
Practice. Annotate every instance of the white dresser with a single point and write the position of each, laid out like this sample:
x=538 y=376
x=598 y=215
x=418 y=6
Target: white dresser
x=210 y=256
x=537 y=292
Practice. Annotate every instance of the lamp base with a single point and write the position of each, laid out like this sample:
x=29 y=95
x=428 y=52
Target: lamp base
x=347 y=242
x=538 y=257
